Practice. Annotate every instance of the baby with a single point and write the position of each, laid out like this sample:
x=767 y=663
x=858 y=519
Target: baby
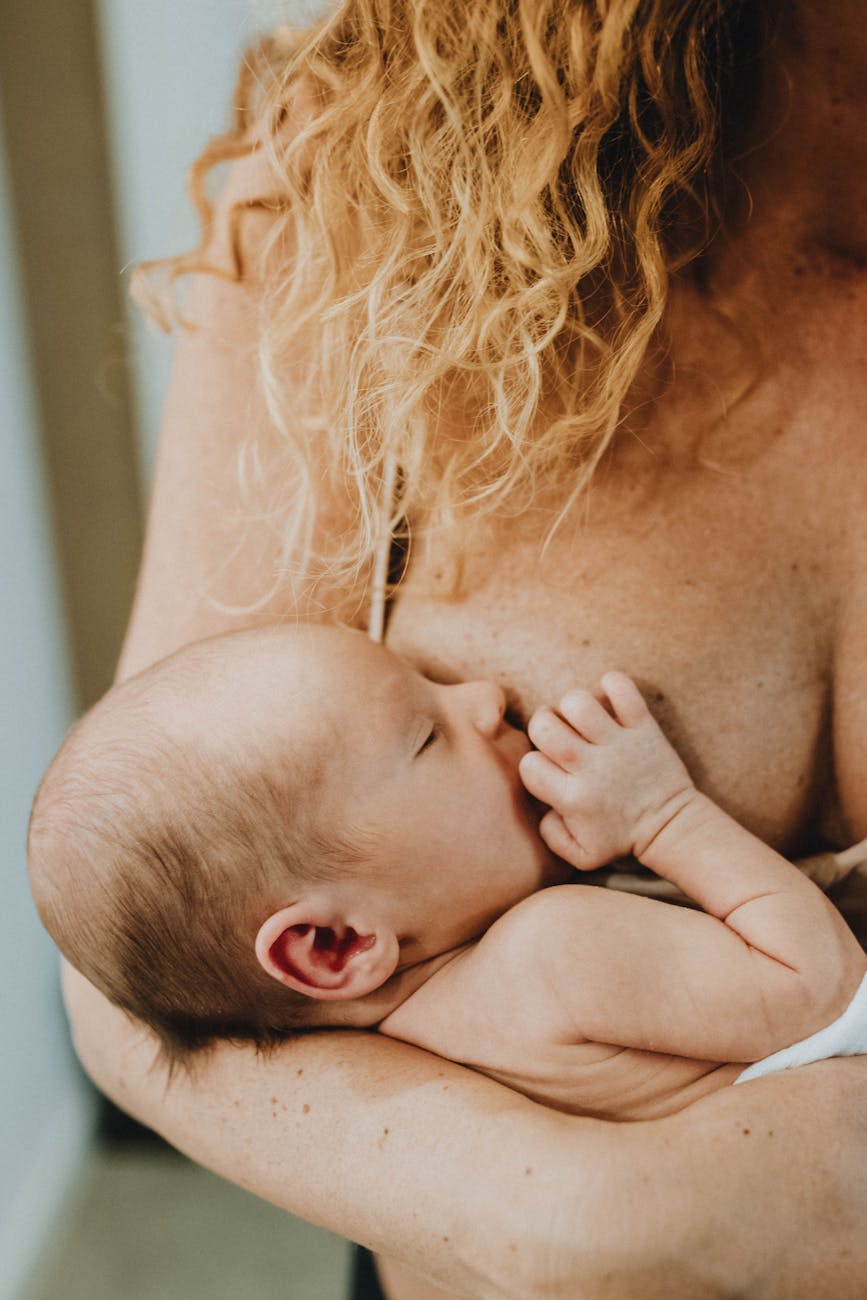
x=291 y=829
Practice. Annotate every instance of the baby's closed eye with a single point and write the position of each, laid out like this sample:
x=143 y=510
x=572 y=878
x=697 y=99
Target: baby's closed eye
x=429 y=738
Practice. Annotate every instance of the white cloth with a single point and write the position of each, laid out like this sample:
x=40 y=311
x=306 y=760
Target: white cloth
x=846 y=1036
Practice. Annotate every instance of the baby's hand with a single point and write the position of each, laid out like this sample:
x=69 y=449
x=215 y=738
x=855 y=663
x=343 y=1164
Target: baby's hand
x=613 y=782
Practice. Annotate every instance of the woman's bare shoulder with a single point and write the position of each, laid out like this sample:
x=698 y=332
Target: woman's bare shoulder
x=223 y=483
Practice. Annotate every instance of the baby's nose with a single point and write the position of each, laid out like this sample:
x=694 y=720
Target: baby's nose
x=487 y=704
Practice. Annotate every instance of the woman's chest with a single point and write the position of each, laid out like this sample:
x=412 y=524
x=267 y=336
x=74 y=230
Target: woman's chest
x=716 y=601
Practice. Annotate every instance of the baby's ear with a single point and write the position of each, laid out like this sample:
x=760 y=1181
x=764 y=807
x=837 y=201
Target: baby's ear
x=317 y=952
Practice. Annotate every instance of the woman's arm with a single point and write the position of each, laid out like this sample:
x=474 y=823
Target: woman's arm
x=759 y=1191
x=400 y=1150
x=205 y=551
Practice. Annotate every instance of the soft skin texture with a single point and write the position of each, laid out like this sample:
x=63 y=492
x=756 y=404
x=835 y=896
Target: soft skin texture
x=620 y=1007
x=732 y=587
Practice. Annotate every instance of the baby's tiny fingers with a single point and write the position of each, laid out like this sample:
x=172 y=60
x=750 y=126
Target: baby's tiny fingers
x=590 y=718
x=561 y=841
x=626 y=699
x=543 y=778
x=555 y=738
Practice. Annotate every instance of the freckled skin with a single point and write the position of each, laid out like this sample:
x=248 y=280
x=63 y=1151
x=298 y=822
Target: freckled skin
x=746 y=712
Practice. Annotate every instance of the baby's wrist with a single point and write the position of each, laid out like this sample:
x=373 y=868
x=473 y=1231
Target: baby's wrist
x=677 y=817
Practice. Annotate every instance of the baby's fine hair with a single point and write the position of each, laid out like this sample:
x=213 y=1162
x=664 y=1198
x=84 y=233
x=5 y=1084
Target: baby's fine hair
x=154 y=857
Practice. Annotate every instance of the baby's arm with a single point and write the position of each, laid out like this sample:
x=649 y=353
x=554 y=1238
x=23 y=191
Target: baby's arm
x=782 y=963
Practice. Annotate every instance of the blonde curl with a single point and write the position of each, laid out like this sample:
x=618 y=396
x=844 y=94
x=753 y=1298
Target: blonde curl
x=485 y=201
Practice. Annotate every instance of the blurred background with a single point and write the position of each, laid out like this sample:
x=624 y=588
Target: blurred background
x=103 y=104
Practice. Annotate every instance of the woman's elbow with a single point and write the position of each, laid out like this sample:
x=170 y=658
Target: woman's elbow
x=104 y=1037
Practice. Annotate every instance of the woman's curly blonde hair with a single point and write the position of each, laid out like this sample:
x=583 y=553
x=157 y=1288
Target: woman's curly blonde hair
x=485 y=201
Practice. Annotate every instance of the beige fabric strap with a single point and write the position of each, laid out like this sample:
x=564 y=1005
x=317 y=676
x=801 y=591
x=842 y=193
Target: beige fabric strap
x=825 y=869
x=379 y=588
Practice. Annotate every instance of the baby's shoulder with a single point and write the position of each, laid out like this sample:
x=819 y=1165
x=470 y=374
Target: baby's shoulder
x=509 y=974
x=538 y=923
x=498 y=998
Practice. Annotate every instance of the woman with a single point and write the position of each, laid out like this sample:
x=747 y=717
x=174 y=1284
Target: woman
x=574 y=290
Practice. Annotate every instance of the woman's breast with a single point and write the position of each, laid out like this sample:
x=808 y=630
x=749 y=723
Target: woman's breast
x=715 y=606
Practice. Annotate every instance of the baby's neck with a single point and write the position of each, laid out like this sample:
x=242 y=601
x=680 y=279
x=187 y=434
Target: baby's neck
x=366 y=1013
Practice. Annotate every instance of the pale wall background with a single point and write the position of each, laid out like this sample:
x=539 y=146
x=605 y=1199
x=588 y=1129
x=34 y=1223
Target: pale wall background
x=168 y=67
x=45 y=1113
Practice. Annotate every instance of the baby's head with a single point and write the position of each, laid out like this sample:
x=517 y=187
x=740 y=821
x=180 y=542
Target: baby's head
x=263 y=829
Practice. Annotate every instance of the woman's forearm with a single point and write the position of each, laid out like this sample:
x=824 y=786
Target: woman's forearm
x=409 y=1154
x=759 y=1191
x=772 y=1180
